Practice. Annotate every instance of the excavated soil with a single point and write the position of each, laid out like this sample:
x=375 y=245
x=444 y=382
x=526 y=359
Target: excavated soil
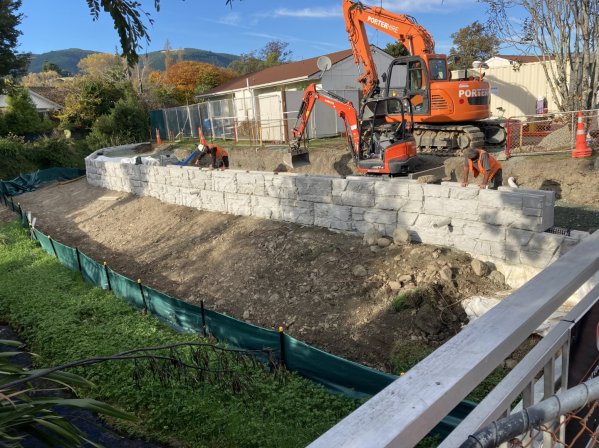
x=326 y=288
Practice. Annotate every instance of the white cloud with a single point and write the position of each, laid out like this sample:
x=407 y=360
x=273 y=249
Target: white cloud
x=232 y=19
x=430 y=6
x=310 y=13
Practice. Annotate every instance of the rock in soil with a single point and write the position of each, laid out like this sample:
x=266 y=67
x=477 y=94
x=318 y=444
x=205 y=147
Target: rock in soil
x=371 y=236
x=480 y=268
x=383 y=242
x=359 y=271
x=401 y=236
x=497 y=277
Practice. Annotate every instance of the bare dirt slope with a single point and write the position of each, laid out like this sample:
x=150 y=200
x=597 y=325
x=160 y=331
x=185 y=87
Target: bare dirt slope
x=266 y=272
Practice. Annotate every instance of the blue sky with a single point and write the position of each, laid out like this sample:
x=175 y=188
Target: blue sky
x=311 y=27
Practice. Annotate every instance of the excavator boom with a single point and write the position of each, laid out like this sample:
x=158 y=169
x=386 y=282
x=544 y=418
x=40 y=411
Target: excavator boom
x=401 y=27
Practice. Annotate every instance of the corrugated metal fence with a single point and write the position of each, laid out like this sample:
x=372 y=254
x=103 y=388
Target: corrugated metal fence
x=234 y=119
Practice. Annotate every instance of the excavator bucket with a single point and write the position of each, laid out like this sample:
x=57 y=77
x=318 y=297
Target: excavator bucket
x=296 y=158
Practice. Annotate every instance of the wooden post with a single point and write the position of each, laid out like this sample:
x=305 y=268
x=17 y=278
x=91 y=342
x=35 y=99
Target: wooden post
x=143 y=297
x=284 y=110
x=107 y=276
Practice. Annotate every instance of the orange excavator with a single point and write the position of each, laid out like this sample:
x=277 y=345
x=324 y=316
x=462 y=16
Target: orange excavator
x=378 y=145
x=449 y=115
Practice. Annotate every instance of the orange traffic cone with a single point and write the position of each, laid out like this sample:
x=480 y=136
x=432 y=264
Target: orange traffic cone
x=158 y=139
x=582 y=149
x=202 y=139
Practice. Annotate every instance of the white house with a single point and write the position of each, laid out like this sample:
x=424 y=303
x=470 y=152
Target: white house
x=42 y=104
x=272 y=96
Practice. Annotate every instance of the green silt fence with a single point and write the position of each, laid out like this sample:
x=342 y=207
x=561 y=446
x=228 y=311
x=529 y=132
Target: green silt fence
x=335 y=373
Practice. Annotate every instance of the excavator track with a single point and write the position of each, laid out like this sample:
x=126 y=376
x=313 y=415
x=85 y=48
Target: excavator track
x=451 y=140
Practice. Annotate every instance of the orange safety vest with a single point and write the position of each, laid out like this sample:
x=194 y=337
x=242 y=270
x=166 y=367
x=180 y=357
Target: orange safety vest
x=495 y=166
x=220 y=153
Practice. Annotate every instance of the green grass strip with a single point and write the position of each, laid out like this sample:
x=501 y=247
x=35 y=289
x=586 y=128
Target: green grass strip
x=63 y=318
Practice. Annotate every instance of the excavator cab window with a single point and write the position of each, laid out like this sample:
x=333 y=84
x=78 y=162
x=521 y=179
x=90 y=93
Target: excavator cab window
x=437 y=69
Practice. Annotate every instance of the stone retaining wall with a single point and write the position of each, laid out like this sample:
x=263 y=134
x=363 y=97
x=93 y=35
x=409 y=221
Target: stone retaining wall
x=505 y=227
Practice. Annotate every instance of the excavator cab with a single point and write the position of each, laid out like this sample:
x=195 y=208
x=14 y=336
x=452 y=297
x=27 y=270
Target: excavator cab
x=386 y=142
x=407 y=77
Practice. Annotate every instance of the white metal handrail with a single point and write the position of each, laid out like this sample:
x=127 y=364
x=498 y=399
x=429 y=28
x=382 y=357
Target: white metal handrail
x=406 y=410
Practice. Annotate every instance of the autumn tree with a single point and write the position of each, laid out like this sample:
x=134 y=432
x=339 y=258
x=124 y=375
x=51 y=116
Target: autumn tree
x=564 y=34
x=103 y=65
x=42 y=79
x=472 y=43
x=273 y=53
x=190 y=77
x=11 y=62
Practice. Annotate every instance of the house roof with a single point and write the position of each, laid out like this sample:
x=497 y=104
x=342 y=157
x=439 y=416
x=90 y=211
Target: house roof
x=279 y=73
x=523 y=59
x=41 y=103
x=55 y=94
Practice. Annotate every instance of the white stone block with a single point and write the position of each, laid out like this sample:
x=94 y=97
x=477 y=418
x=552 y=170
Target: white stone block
x=500 y=199
x=412 y=206
x=434 y=205
x=300 y=212
x=393 y=187
x=406 y=219
x=332 y=216
x=464 y=193
x=435 y=191
x=466 y=208
x=354 y=199
x=266 y=207
x=314 y=189
x=213 y=201
x=416 y=192
x=518 y=237
x=238 y=204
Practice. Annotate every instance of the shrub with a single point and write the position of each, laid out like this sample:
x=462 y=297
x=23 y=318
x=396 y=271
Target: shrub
x=126 y=123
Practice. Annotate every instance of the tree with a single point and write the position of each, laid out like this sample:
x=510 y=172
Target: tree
x=472 y=43
x=273 y=53
x=50 y=67
x=11 y=62
x=104 y=65
x=191 y=77
x=42 y=79
x=88 y=98
x=564 y=34
x=396 y=49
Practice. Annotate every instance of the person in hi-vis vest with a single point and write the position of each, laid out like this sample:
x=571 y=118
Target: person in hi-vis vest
x=480 y=162
x=219 y=156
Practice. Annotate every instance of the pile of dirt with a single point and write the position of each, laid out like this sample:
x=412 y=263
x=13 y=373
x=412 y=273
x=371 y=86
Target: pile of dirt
x=328 y=289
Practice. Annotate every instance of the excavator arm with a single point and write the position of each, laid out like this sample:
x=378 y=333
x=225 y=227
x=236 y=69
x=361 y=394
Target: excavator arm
x=401 y=27
x=342 y=107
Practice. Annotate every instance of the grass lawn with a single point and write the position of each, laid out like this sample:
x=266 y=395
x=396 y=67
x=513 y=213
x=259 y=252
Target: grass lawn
x=62 y=318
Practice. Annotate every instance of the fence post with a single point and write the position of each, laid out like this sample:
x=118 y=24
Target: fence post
x=143 y=297
x=12 y=205
x=107 y=276
x=79 y=261
x=203 y=319
x=52 y=244
x=282 y=345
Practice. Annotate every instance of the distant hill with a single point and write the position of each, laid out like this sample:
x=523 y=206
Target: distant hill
x=68 y=59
